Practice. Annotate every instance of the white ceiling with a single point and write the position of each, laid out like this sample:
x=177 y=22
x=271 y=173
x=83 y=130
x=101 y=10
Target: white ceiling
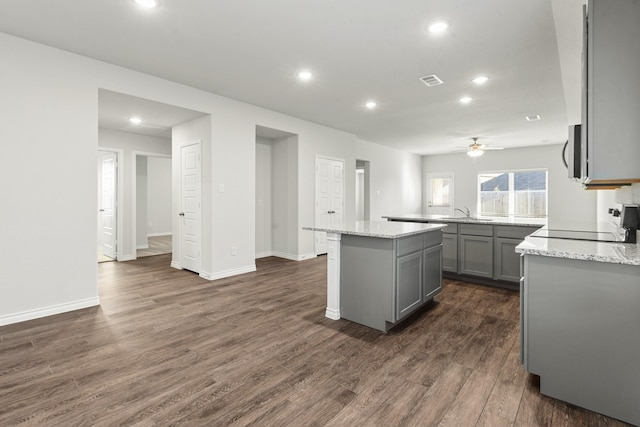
x=357 y=50
x=115 y=110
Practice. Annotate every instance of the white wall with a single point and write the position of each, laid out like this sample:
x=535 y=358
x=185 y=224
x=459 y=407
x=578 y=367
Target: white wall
x=53 y=165
x=130 y=143
x=159 y=217
x=264 y=245
x=142 y=242
x=395 y=179
x=284 y=202
x=567 y=201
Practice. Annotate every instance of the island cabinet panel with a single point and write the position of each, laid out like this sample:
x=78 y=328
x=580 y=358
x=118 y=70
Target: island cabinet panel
x=383 y=280
x=581 y=332
x=506 y=262
x=432 y=273
x=408 y=284
x=476 y=255
x=450 y=253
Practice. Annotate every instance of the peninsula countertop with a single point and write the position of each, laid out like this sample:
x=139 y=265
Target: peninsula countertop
x=490 y=220
x=611 y=252
x=380 y=229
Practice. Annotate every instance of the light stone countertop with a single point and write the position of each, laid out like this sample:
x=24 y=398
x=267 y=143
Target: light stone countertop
x=615 y=253
x=381 y=229
x=490 y=220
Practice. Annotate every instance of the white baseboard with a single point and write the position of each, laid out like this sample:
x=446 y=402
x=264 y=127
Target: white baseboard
x=126 y=257
x=307 y=256
x=228 y=273
x=176 y=264
x=48 y=311
x=332 y=314
x=293 y=257
x=142 y=246
x=166 y=233
x=264 y=254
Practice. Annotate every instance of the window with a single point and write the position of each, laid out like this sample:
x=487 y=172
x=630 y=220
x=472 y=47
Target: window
x=517 y=193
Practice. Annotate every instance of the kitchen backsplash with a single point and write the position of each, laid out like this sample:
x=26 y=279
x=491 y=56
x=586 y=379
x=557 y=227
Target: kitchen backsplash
x=628 y=195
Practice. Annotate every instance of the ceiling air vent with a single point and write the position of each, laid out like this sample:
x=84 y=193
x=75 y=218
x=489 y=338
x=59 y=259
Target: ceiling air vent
x=431 y=80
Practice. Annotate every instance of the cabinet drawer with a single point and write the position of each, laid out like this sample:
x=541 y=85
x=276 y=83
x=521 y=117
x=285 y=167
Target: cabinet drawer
x=450 y=229
x=511 y=232
x=409 y=245
x=476 y=229
x=432 y=239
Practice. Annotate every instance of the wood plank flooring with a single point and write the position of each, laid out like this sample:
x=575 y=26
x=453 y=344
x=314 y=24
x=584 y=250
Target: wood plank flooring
x=169 y=348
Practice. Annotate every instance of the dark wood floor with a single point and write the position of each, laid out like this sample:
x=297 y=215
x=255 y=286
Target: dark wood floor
x=167 y=347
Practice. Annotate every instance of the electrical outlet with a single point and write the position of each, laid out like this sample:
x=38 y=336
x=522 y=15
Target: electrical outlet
x=221 y=188
x=234 y=251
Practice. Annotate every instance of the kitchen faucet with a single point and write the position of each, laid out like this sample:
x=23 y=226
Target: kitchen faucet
x=467 y=213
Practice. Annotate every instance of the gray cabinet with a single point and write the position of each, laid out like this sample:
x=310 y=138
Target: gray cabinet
x=506 y=262
x=408 y=283
x=475 y=250
x=476 y=255
x=432 y=272
x=611 y=95
x=580 y=332
x=384 y=280
x=450 y=248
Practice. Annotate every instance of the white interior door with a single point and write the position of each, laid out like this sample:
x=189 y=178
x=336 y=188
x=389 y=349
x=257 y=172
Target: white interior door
x=439 y=194
x=107 y=165
x=190 y=203
x=329 y=198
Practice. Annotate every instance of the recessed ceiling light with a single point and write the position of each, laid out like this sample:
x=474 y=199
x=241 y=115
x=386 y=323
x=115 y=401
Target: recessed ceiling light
x=149 y=4
x=135 y=120
x=371 y=105
x=305 y=75
x=466 y=99
x=480 y=80
x=533 y=118
x=438 y=26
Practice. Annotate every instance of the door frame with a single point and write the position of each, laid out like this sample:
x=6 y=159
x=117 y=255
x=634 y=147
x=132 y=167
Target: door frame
x=119 y=153
x=427 y=192
x=134 y=195
x=176 y=170
x=315 y=190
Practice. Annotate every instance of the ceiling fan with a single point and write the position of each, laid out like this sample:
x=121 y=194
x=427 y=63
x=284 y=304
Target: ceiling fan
x=477 y=150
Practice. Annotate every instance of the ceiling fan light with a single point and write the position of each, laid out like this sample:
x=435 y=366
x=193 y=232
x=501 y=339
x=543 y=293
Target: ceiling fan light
x=476 y=152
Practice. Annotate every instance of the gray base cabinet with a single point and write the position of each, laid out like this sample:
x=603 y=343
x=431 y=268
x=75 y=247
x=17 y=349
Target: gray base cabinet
x=506 y=262
x=382 y=281
x=581 y=334
x=476 y=255
x=450 y=248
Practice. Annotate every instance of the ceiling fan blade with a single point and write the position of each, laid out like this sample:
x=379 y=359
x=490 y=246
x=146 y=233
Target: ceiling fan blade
x=491 y=147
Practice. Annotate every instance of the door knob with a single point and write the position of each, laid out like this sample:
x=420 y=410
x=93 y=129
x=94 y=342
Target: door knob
x=181 y=214
x=101 y=210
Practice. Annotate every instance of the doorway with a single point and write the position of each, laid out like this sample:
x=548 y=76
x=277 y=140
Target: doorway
x=107 y=206
x=276 y=200
x=362 y=190
x=329 y=198
x=153 y=205
x=440 y=194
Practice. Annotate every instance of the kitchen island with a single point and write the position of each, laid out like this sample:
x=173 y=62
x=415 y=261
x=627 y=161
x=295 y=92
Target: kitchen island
x=580 y=321
x=379 y=272
x=480 y=249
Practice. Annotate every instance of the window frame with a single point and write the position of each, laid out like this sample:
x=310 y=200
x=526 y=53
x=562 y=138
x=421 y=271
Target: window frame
x=512 y=193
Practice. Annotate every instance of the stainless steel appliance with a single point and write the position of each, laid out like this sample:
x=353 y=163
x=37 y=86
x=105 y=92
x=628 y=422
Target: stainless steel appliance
x=630 y=221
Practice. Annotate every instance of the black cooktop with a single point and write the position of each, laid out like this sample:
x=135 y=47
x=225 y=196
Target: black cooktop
x=591 y=236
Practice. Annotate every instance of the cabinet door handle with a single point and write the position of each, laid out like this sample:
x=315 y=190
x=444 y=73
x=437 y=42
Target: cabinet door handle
x=181 y=214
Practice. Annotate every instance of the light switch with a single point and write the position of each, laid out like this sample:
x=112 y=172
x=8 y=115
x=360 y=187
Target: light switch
x=221 y=188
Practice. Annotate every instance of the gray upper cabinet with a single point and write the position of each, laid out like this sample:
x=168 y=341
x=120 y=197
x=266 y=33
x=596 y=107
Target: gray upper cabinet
x=611 y=93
